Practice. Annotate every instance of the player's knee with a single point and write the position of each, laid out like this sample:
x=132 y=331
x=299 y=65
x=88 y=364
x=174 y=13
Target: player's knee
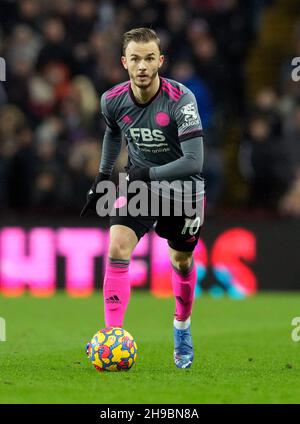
x=122 y=242
x=182 y=260
x=119 y=248
x=183 y=264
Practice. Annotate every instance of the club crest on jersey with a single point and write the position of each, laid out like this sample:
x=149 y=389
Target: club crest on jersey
x=189 y=112
x=127 y=119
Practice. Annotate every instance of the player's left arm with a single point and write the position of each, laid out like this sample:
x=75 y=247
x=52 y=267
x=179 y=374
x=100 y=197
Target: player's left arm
x=190 y=136
x=189 y=164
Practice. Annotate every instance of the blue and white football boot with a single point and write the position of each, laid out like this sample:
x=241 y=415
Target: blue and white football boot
x=183 y=348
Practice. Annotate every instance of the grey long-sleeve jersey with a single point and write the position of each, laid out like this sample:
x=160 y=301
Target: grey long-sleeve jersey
x=164 y=134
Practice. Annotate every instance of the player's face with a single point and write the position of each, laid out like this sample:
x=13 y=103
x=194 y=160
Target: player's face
x=142 y=60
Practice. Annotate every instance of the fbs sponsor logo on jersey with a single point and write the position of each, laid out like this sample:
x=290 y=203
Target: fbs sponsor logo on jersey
x=146 y=134
x=190 y=115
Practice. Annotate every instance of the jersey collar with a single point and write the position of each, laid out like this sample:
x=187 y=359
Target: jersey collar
x=142 y=105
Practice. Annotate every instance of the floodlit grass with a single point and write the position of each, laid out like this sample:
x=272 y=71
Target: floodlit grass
x=243 y=352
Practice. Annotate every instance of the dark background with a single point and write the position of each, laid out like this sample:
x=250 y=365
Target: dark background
x=234 y=55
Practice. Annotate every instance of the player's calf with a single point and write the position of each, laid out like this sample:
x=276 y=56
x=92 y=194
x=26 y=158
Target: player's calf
x=184 y=279
x=116 y=286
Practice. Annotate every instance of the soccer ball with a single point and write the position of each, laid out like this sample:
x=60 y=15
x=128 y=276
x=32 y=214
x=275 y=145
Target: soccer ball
x=112 y=349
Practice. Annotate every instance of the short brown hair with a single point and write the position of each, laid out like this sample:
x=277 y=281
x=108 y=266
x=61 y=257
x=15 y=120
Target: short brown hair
x=140 y=35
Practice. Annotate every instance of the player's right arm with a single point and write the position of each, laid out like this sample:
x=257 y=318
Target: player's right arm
x=112 y=142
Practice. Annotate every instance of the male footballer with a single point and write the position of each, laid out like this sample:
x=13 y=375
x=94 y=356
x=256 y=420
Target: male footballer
x=159 y=120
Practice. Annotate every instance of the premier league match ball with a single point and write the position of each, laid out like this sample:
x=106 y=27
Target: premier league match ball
x=112 y=349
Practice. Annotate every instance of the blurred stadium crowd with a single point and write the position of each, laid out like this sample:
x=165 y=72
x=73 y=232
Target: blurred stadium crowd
x=61 y=56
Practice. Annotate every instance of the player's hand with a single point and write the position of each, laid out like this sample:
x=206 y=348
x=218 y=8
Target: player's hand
x=92 y=196
x=137 y=173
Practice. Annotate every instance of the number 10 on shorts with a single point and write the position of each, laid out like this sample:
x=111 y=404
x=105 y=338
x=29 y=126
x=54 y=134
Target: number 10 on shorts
x=191 y=225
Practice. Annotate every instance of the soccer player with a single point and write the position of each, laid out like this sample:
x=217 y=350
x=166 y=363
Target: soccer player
x=162 y=128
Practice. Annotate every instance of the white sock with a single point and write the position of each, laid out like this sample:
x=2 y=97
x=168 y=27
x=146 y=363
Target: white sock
x=182 y=325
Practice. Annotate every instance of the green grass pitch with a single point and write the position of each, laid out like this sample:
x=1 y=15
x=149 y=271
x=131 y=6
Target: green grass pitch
x=243 y=352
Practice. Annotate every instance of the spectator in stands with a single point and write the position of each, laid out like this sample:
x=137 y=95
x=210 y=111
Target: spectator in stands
x=61 y=55
x=264 y=162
